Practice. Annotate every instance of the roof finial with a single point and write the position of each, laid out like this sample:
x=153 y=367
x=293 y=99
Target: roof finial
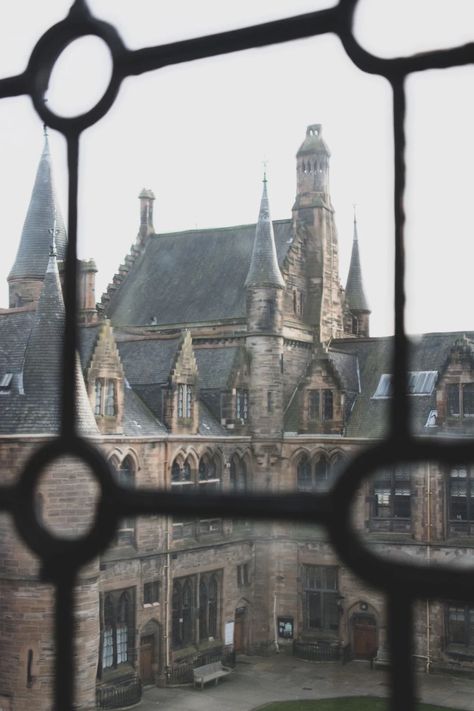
x=355 y=222
x=265 y=164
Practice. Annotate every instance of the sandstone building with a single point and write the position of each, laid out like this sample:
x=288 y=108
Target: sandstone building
x=222 y=358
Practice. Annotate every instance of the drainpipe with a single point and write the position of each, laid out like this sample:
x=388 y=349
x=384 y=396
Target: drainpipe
x=167 y=577
x=428 y=557
x=275 y=623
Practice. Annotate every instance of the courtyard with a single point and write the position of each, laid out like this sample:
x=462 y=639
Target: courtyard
x=258 y=681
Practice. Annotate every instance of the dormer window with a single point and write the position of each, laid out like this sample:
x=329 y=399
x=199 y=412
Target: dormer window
x=185 y=401
x=105 y=397
x=460 y=397
x=321 y=405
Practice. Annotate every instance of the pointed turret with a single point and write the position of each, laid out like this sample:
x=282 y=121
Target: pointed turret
x=27 y=274
x=265 y=289
x=42 y=367
x=264 y=269
x=356 y=302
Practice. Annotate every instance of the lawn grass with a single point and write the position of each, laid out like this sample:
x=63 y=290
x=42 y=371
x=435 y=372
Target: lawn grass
x=353 y=703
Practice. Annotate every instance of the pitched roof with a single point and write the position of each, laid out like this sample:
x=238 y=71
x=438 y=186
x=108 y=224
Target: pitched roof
x=215 y=366
x=43 y=211
x=264 y=270
x=15 y=329
x=191 y=277
x=370 y=417
x=148 y=360
x=355 y=295
x=37 y=409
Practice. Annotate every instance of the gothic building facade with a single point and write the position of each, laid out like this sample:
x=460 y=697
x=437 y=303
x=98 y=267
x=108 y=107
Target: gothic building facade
x=228 y=359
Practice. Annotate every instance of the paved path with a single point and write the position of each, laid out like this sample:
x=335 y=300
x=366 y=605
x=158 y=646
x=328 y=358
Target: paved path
x=259 y=680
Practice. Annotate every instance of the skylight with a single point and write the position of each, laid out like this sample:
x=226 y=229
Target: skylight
x=420 y=382
x=5 y=382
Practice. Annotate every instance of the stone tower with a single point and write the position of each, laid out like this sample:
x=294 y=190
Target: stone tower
x=66 y=498
x=314 y=225
x=25 y=280
x=265 y=287
x=357 y=312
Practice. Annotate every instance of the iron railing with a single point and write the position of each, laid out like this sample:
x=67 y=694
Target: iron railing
x=401 y=583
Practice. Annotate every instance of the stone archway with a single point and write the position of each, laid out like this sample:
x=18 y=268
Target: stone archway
x=150 y=652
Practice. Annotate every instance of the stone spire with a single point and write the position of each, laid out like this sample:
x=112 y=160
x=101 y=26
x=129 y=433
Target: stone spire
x=264 y=270
x=355 y=296
x=42 y=368
x=357 y=312
x=26 y=276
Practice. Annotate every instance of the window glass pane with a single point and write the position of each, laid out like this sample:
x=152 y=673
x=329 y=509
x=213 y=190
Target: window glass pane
x=331 y=578
x=304 y=474
x=314 y=404
x=453 y=398
x=330 y=612
x=468 y=399
x=107 y=648
x=456 y=625
x=314 y=610
x=327 y=405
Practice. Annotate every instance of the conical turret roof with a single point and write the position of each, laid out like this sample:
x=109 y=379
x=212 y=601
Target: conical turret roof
x=43 y=212
x=355 y=295
x=264 y=269
x=42 y=367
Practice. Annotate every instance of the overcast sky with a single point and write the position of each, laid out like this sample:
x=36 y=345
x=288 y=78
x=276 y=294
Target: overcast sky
x=197 y=135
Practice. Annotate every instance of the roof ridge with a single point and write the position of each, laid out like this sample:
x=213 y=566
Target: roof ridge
x=216 y=229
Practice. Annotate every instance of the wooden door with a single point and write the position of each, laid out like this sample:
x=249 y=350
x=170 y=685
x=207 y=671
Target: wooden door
x=365 y=636
x=239 y=630
x=147 y=657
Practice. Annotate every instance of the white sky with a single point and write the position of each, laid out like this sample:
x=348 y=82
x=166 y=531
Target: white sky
x=197 y=135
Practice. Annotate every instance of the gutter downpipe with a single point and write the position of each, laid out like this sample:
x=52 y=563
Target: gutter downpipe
x=428 y=555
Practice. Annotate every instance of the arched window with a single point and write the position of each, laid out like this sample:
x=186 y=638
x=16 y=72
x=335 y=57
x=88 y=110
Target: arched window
x=304 y=479
x=321 y=472
x=125 y=475
x=238 y=473
x=175 y=472
x=337 y=464
x=117 y=629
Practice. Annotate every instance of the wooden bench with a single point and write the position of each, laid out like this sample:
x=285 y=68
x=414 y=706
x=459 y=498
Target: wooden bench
x=210 y=672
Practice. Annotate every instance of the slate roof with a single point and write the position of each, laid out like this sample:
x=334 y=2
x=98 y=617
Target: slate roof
x=14 y=332
x=32 y=256
x=215 y=366
x=264 y=269
x=192 y=277
x=138 y=420
x=355 y=295
x=37 y=409
x=148 y=361
x=369 y=417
